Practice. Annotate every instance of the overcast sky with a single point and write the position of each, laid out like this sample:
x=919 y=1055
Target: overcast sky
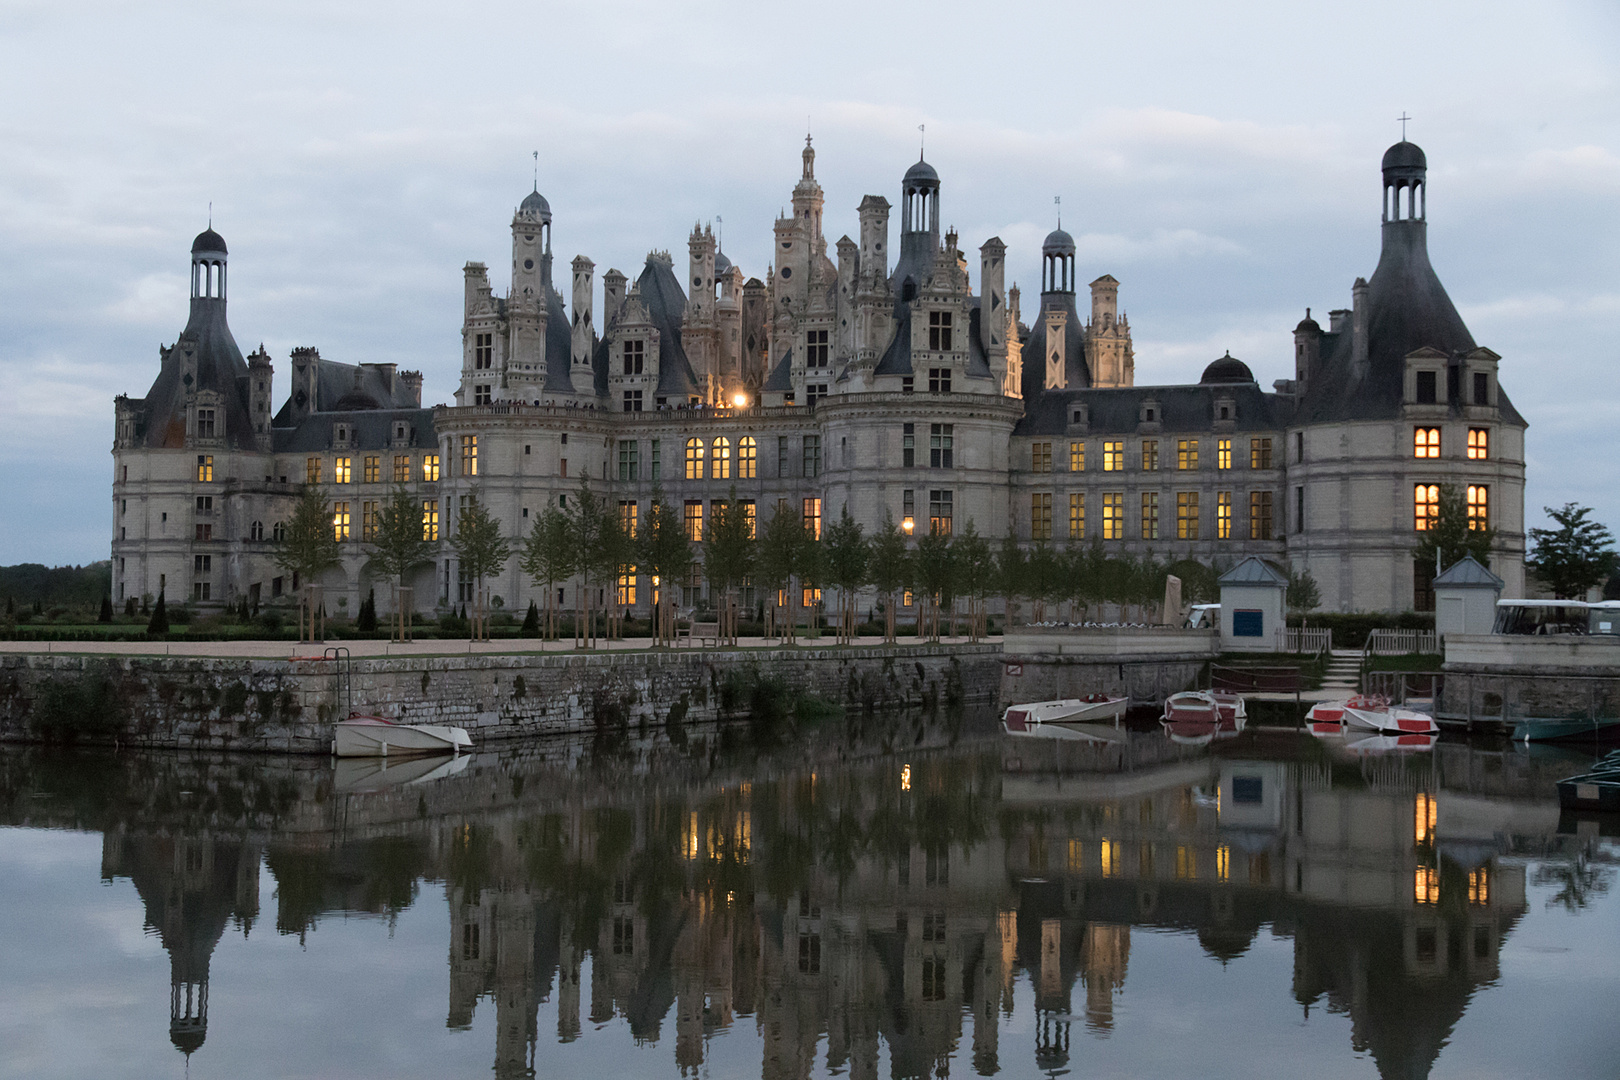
x=1220 y=160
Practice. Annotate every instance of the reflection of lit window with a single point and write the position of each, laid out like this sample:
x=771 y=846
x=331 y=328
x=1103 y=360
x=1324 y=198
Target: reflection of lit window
x=905 y=778
x=1423 y=817
x=1426 y=885
x=1223 y=863
x=1076 y=857
x=933 y=979
x=1479 y=886
x=1109 y=851
x=1186 y=862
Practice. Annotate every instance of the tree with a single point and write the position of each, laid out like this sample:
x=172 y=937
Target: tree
x=728 y=556
x=665 y=553
x=481 y=551
x=597 y=544
x=308 y=549
x=781 y=552
x=890 y=570
x=1302 y=594
x=159 y=623
x=1576 y=556
x=399 y=545
x=848 y=556
x=547 y=559
x=531 y=619
x=106 y=609
x=366 y=620
x=1451 y=534
x=933 y=574
x=975 y=575
x=1011 y=572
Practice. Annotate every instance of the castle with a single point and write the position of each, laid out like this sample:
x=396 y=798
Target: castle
x=888 y=390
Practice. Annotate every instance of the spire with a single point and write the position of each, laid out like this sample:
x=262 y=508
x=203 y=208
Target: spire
x=809 y=159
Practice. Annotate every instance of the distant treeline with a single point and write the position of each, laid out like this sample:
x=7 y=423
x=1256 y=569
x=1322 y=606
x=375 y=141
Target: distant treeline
x=55 y=586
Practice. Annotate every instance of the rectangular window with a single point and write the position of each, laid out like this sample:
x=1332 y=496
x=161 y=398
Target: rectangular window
x=629 y=513
x=205 y=423
x=941 y=445
x=814 y=392
x=482 y=394
x=908 y=511
x=939 y=512
x=1260 y=515
x=782 y=459
x=812 y=455
x=939 y=380
x=1114 y=455
x=402 y=468
x=751 y=516
x=747 y=457
x=1077 y=516
x=340 y=521
x=629 y=460
x=368 y=520
x=906 y=384
x=1299 y=446
x=908 y=446
x=562 y=467
x=1425 y=506
x=204 y=532
x=483 y=351
x=205 y=469
x=373 y=472
x=342 y=471
x=1187 y=453
x=202 y=564
x=1426 y=442
x=1479 y=507
x=200 y=590
x=205 y=504
x=632 y=401
x=1150 y=454
x=1223 y=515
x=627 y=587
x=939 y=334
x=1479 y=443
x=1299 y=508
x=1186 y=515
x=655 y=462
x=1482 y=388
x=1223 y=454
x=816 y=351
x=1040 y=515
x=1040 y=457
x=469 y=455
x=430 y=467
x=635 y=356
x=1259 y=453
x=810 y=515
x=694 y=519
x=1426 y=388
x=1113 y=515
x=1077 y=457
x=1150 y=515
x=430 y=519
x=312 y=470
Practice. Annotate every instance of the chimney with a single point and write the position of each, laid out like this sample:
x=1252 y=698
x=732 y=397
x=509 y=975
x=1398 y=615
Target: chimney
x=1359 y=315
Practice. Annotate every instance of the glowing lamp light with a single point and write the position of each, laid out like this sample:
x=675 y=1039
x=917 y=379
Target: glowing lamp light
x=905 y=778
x=740 y=400
x=907 y=525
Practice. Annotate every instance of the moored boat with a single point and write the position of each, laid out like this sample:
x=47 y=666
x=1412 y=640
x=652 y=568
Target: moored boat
x=376 y=736
x=1368 y=712
x=1088 y=709
x=1362 y=741
x=1192 y=718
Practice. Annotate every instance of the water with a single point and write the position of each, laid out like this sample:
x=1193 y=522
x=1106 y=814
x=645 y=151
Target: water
x=896 y=898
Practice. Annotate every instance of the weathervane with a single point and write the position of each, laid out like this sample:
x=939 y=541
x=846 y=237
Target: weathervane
x=1057 y=200
x=1403 y=118
x=922 y=140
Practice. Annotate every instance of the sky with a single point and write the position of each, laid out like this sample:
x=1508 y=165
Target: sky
x=1221 y=161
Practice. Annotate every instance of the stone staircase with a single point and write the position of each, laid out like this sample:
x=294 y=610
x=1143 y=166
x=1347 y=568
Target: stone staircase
x=1343 y=675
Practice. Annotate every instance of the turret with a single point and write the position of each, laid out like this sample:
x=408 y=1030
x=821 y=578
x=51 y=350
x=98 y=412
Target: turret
x=874 y=211
x=582 y=330
x=992 y=297
x=1307 y=351
x=919 y=227
x=261 y=375
x=1057 y=265
x=612 y=298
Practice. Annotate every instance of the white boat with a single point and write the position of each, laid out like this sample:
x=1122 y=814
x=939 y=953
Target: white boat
x=1373 y=713
x=358 y=774
x=1089 y=709
x=375 y=736
x=1067 y=731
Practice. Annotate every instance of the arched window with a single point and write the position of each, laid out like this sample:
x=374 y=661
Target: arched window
x=694 y=459
x=720 y=469
x=256 y=531
x=747 y=454
x=278 y=532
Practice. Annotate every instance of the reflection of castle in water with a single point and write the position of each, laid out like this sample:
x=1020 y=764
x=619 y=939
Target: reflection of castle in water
x=873 y=906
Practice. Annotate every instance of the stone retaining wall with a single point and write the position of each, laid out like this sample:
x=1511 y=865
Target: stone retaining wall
x=1045 y=663
x=289 y=705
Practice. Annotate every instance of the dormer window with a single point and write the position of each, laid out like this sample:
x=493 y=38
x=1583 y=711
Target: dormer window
x=1427 y=388
x=635 y=352
x=342 y=433
x=939 y=331
x=401 y=432
x=1482 y=388
x=205 y=423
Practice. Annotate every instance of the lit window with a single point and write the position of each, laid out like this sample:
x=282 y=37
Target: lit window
x=1114 y=456
x=1040 y=457
x=1150 y=454
x=402 y=468
x=1223 y=454
x=1479 y=509
x=627 y=586
x=1223 y=515
x=430 y=467
x=908 y=445
x=750 y=516
x=312 y=470
x=941 y=445
x=368 y=521
x=205 y=468
x=908 y=510
x=1040 y=516
x=694 y=459
x=694 y=519
x=939 y=332
x=1077 y=457
x=1150 y=515
x=720 y=468
x=811 y=517
x=469 y=455
x=1425 y=506
x=939 y=512
x=810 y=596
x=1259 y=453
x=1426 y=442
x=747 y=457
x=1187 y=454
x=340 y=521
x=1113 y=515
x=939 y=380
x=629 y=512
x=1260 y=515
x=1186 y=515
x=629 y=459
x=341 y=471
x=430 y=519
x=1077 y=516
x=1479 y=443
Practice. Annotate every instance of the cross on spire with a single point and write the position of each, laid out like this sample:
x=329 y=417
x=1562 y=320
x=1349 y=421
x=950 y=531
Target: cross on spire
x=1403 y=118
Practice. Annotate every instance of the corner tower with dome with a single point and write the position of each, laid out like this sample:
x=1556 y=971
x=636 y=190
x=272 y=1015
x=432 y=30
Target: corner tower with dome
x=834 y=378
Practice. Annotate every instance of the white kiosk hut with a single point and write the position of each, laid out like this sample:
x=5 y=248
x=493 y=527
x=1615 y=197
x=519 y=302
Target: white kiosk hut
x=1252 y=606
x=1465 y=598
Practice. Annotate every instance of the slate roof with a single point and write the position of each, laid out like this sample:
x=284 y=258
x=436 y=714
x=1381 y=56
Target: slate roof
x=1076 y=368
x=1253 y=571
x=350 y=388
x=781 y=377
x=161 y=421
x=1468 y=573
x=1118 y=410
x=373 y=430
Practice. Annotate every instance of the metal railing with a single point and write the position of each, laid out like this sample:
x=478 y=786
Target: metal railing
x=1314 y=640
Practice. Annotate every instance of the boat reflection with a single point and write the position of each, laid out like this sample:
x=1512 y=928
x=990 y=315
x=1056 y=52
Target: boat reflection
x=846 y=896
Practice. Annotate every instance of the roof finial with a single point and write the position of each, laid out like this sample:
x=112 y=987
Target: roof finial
x=1057 y=200
x=210 y=213
x=537 y=171
x=922 y=140
x=1403 y=118
x=720 y=233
